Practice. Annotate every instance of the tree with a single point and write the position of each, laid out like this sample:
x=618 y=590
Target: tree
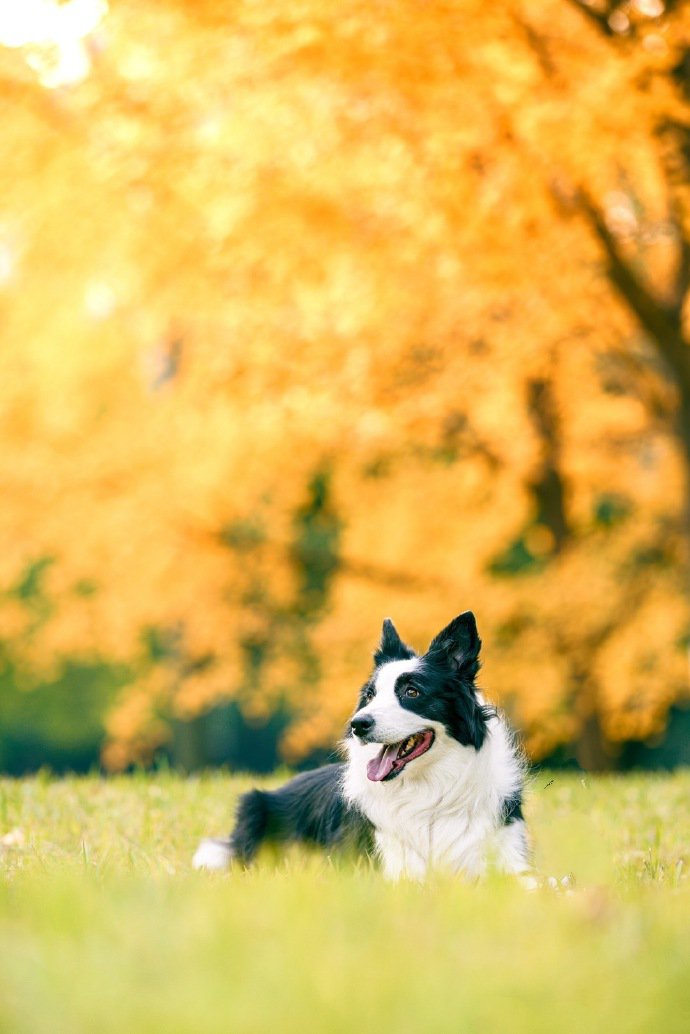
x=426 y=259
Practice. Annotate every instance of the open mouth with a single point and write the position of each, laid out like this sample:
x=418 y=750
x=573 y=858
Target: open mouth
x=394 y=756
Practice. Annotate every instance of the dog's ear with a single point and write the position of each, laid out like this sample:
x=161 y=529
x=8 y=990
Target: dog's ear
x=391 y=647
x=459 y=644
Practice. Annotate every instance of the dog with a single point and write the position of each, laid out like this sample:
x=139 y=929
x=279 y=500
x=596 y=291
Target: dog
x=432 y=777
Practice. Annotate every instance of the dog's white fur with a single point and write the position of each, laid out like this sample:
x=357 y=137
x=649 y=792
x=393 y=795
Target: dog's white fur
x=213 y=855
x=444 y=810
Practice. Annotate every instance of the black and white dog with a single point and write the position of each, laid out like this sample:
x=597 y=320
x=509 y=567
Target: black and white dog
x=432 y=777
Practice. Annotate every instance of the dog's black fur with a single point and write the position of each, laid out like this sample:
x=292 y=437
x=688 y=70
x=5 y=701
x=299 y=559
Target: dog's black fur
x=309 y=809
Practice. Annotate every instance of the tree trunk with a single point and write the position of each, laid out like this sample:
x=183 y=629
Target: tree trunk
x=593 y=751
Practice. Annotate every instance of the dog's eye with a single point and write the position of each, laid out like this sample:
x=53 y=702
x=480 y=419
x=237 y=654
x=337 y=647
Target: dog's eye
x=411 y=692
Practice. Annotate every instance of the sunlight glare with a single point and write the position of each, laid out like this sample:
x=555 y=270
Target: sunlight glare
x=54 y=35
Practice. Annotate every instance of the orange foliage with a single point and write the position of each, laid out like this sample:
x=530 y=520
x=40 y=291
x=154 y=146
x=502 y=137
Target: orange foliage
x=252 y=242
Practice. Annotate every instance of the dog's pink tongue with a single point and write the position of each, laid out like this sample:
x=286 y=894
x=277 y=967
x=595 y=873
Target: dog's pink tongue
x=382 y=765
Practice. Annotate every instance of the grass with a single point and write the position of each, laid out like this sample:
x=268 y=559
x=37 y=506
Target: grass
x=103 y=927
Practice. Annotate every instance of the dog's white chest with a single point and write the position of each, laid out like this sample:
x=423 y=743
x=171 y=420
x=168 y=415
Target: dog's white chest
x=443 y=844
x=420 y=827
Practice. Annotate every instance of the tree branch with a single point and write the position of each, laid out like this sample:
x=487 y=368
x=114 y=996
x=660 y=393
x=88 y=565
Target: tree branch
x=662 y=322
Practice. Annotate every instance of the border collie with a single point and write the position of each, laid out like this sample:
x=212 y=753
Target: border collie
x=432 y=777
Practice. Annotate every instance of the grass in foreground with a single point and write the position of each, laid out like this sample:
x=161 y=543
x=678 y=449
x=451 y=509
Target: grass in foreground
x=103 y=927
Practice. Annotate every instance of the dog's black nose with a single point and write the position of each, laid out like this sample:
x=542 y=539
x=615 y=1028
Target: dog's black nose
x=362 y=724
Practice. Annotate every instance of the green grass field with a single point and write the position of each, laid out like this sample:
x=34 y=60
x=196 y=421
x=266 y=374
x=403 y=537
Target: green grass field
x=104 y=927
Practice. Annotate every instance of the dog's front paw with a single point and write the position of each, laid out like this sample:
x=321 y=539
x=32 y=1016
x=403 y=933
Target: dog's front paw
x=535 y=881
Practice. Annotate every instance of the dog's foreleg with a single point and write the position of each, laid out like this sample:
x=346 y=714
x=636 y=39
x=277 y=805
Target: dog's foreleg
x=398 y=859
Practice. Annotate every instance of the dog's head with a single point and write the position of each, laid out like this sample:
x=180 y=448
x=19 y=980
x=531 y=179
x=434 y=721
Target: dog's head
x=411 y=701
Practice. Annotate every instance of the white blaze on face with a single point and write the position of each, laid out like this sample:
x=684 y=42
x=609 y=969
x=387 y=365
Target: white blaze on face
x=393 y=722
x=388 y=674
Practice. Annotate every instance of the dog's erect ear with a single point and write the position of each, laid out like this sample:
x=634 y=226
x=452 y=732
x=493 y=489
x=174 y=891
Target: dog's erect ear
x=459 y=644
x=391 y=647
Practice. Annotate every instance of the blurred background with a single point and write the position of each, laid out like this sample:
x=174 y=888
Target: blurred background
x=316 y=313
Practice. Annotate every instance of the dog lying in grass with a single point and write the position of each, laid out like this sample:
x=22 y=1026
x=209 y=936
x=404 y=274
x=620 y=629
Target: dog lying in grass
x=432 y=778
